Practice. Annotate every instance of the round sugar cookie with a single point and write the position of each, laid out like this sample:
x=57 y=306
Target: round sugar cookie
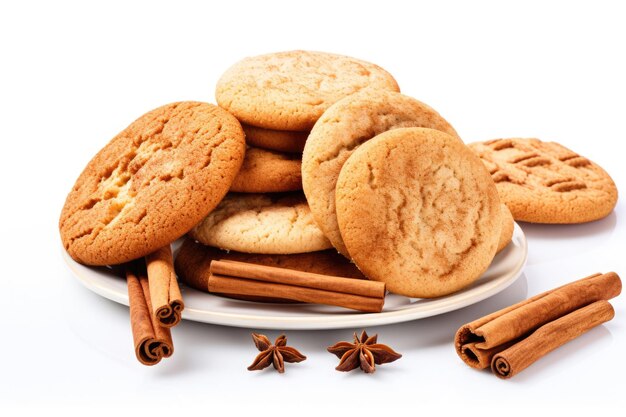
x=506 y=227
x=418 y=211
x=290 y=90
x=343 y=127
x=152 y=183
x=544 y=182
x=262 y=223
x=277 y=140
x=194 y=259
x=266 y=171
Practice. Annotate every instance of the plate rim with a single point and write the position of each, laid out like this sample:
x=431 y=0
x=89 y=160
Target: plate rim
x=438 y=306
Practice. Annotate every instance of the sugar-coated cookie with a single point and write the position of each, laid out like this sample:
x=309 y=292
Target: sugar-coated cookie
x=418 y=211
x=262 y=223
x=266 y=171
x=290 y=90
x=343 y=127
x=277 y=140
x=152 y=183
x=544 y=182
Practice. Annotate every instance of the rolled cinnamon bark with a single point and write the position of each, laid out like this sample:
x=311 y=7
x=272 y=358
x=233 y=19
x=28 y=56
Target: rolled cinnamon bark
x=152 y=341
x=549 y=337
x=165 y=293
x=477 y=342
x=298 y=278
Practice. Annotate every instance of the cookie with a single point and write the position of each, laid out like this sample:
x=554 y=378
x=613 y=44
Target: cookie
x=418 y=211
x=152 y=183
x=291 y=90
x=343 y=127
x=262 y=223
x=506 y=227
x=544 y=182
x=193 y=261
x=277 y=140
x=266 y=171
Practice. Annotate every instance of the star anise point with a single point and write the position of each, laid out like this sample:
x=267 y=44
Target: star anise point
x=274 y=354
x=364 y=353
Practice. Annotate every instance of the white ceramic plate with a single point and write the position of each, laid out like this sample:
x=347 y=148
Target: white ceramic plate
x=199 y=306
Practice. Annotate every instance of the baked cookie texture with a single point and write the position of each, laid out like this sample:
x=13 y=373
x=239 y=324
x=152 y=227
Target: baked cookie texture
x=277 y=140
x=194 y=259
x=152 y=183
x=343 y=128
x=418 y=211
x=507 y=227
x=266 y=171
x=544 y=182
x=262 y=223
x=290 y=90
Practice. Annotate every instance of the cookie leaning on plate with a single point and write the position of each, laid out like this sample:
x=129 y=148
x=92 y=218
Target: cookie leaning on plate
x=262 y=223
x=544 y=182
x=343 y=127
x=418 y=211
x=290 y=90
x=266 y=171
x=152 y=183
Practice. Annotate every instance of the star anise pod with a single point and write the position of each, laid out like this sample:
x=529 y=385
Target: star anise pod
x=276 y=354
x=364 y=353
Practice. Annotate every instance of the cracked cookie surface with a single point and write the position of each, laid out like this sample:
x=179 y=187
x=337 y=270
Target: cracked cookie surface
x=277 y=140
x=343 y=128
x=262 y=223
x=418 y=211
x=290 y=90
x=544 y=182
x=266 y=171
x=152 y=183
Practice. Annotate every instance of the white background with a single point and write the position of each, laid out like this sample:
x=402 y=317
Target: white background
x=74 y=74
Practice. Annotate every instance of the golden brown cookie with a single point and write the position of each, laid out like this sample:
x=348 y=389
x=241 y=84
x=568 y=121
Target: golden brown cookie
x=291 y=90
x=544 y=182
x=343 y=127
x=194 y=258
x=418 y=211
x=277 y=140
x=152 y=183
x=266 y=171
x=506 y=227
x=262 y=223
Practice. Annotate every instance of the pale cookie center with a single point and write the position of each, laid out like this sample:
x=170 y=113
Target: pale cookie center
x=118 y=189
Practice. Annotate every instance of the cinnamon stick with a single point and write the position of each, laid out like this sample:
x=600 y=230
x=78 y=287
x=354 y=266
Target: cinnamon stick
x=231 y=285
x=243 y=278
x=152 y=341
x=165 y=293
x=478 y=342
x=549 y=337
x=298 y=278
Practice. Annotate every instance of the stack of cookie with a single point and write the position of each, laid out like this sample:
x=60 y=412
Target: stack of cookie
x=278 y=98
x=331 y=105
